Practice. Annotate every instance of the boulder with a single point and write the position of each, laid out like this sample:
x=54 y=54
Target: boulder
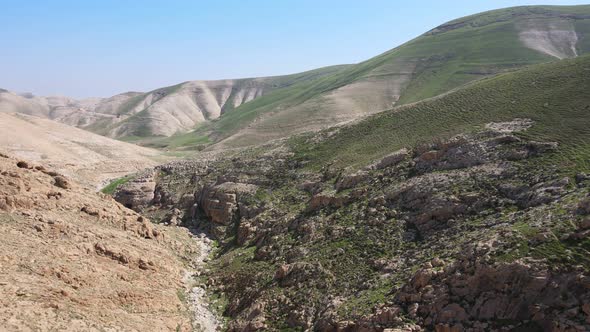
x=61 y=182
x=390 y=160
x=138 y=192
x=23 y=164
x=324 y=200
x=351 y=180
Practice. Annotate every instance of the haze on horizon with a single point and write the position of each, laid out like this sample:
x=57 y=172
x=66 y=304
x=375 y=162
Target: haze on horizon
x=80 y=50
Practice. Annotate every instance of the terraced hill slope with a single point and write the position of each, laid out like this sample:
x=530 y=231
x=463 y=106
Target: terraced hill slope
x=553 y=95
x=243 y=112
x=442 y=59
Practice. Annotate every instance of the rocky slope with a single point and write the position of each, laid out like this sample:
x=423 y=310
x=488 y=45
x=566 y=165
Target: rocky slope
x=471 y=233
x=74 y=260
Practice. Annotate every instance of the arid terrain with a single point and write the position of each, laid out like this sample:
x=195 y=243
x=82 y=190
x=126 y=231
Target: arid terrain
x=86 y=157
x=75 y=260
x=443 y=185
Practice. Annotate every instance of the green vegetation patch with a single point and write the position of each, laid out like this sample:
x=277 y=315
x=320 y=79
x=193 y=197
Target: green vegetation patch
x=553 y=95
x=112 y=187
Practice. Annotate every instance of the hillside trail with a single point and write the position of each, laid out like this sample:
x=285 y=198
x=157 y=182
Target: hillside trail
x=203 y=318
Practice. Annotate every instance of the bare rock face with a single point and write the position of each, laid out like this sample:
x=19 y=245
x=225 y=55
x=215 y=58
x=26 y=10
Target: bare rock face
x=458 y=152
x=351 y=180
x=541 y=193
x=472 y=291
x=220 y=202
x=220 y=206
x=323 y=200
x=61 y=182
x=137 y=192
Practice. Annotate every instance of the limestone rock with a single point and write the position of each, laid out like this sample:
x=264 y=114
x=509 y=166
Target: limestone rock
x=137 y=192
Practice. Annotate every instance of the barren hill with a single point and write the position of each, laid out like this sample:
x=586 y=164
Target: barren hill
x=162 y=112
x=89 y=158
x=75 y=260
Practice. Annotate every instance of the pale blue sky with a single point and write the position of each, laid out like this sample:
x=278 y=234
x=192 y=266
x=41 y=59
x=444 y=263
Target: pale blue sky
x=100 y=48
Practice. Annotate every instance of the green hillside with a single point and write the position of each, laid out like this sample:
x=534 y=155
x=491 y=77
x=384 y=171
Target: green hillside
x=554 y=95
x=442 y=59
x=445 y=225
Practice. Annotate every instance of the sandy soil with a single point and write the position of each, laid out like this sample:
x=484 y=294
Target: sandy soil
x=86 y=157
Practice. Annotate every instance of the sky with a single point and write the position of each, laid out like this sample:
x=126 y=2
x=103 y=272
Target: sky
x=101 y=48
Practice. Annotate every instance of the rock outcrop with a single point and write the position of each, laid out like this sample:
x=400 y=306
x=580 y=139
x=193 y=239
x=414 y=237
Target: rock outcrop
x=138 y=192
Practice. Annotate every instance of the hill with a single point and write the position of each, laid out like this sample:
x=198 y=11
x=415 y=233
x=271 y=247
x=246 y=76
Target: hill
x=442 y=59
x=88 y=158
x=468 y=211
x=75 y=260
x=162 y=112
x=553 y=95
x=243 y=112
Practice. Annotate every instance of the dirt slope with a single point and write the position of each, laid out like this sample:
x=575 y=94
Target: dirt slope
x=557 y=38
x=74 y=260
x=89 y=158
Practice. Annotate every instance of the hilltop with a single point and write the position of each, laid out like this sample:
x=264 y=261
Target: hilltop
x=439 y=61
x=162 y=112
x=236 y=113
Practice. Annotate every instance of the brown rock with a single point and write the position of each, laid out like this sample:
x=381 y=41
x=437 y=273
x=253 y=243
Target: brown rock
x=220 y=202
x=584 y=224
x=386 y=315
x=421 y=278
x=352 y=180
x=61 y=182
x=23 y=164
x=325 y=200
x=246 y=232
x=90 y=210
x=437 y=262
x=452 y=313
x=391 y=160
x=584 y=206
x=282 y=272
x=137 y=192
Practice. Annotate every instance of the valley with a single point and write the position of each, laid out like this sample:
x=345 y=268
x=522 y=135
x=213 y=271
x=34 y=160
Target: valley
x=443 y=185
